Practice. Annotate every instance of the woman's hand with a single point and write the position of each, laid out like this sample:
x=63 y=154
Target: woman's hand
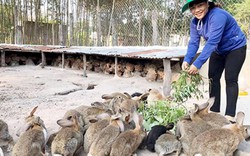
x=184 y=66
x=193 y=70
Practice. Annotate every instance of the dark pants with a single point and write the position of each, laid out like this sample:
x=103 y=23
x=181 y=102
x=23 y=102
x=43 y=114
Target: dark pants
x=232 y=63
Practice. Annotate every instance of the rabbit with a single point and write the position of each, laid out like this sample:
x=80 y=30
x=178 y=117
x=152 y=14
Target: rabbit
x=154 y=95
x=68 y=116
x=189 y=127
x=73 y=112
x=69 y=138
x=116 y=99
x=32 y=141
x=103 y=142
x=128 y=142
x=243 y=149
x=27 y=121
x=214 y=119
x=140 y=96
x=167 y=143
x=111 y=101
x=116 y=94
x=101 y=121
x=220 y=141
x=127 y=108
x=6 y=140
x=85 y=113
x=155 y=132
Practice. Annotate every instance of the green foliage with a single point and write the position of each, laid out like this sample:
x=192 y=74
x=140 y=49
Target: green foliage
x=241 y=12
x=164 y=112
x=161 y=113
x=186 y=86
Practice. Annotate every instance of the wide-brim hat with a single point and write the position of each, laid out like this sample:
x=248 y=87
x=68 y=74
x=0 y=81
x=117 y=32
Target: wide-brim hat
x=186 y=5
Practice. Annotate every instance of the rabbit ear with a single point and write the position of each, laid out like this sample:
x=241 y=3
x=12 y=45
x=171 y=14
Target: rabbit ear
x=37 y=120
x=210 y=102
x=196 y=108
x=143 y=97
x=121 y=125
x=186 y=117
x=170 y=126
x=128 y=95
x=240 y=118
x=107 y=96
x=28 y=126
x=65 y=123
x=33 y=111
x=116 y=116
x=93 y=120
x=97 y=104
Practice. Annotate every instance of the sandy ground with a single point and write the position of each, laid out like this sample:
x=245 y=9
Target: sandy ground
x=24 y=87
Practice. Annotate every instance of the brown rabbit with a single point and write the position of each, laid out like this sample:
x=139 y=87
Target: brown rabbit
x=68 y=116
x=220 y=141
x=167 y=143
x=214 y=119
x=128 y=142
x=97 y=124
x=127 y=109
x=27 y=121
x=103 y=142
x=112 y=101
x=189 y=127
x=86 y=113
x=116 y=94
x=32 y=141
x=154 y=95
x=6 y=140
x=73 y=112
x=69 y=139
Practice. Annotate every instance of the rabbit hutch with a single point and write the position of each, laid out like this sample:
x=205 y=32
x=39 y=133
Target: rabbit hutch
x=155 y=63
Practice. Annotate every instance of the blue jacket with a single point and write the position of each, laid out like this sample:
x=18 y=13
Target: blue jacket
x=221 y=32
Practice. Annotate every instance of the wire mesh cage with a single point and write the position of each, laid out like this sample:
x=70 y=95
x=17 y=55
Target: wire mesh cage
x=104 y=22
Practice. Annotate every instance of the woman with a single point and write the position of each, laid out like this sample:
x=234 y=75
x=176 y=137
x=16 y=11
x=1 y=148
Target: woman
x=225 y=47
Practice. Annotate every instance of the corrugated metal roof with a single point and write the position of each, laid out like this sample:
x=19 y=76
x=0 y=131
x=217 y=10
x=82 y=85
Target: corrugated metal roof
x=150 y=52
x=28 y=48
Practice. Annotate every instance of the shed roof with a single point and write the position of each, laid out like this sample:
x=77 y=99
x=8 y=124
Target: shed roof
x=149 y=52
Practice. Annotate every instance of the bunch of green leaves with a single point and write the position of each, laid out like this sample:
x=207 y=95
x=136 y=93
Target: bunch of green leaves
x=187 y=86
x=161 y=113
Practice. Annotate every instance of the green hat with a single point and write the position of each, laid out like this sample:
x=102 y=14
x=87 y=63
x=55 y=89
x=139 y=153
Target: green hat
x=186 y=5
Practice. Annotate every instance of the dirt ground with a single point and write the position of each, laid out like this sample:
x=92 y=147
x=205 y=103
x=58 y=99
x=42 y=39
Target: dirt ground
x=24 y=87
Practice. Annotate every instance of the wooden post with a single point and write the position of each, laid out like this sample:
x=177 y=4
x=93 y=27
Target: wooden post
x=63 y=60
x=167 y=77
x=116 y=60
x=3 y=58
x=84 y=66
x=43 y=59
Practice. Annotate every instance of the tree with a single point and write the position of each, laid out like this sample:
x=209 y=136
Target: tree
x=241 y=13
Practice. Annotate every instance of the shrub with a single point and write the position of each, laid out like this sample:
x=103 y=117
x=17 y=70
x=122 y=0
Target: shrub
x=171 y=110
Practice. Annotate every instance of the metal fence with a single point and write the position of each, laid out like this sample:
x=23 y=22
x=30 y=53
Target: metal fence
x=103 y=22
